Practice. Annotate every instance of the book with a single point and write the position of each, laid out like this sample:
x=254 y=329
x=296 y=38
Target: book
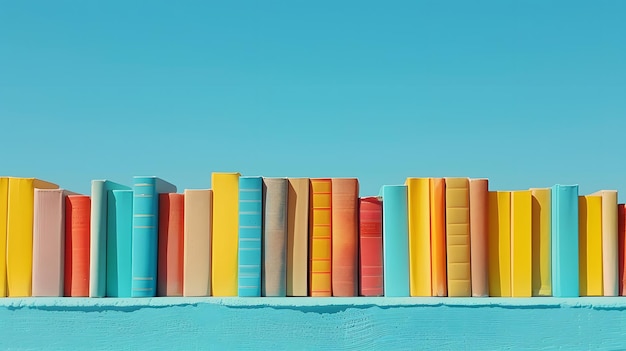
x=145 y=233
x=76 y=275
x=564 y=243
x=438 y=237
x=458 y=237
x=197 y=242
x=171 y=244
x=521 y=244
x=320 y=246
x=499 y=243
x=119 y=234
x=610 y=272
x=371 y=246
x=590 y=245
x=621 y=235
x=298 y=237
x=4 y=197
x=19 y=233
x=224 y=264
x=395 y=240
x=418 y=207
x=274 y=267
x=100 y=189
x=479 y=228
x=541 y=218
x=48 y=242
x=345 y=237
x=250 y=235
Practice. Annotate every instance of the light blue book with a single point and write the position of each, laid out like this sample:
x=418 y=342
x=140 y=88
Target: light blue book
x=145 y=233
x=395 y=240
x=565 y=278
x=119 y=243
x=98 y=241
x=250 y=224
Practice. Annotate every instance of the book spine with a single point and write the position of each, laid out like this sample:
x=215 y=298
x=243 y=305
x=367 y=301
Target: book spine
x=418 y=207
x=250 y=235
x=197 y=242
x=521 y=244
x=438 y=236
x=541 y=218
x=171 y=243
x=610 y=244
x=298 y=237
x=19 y=253
x=395 y=241
x=458 y=237
x=565 y=264
x=345 y=238
x=119 y=243
x=590 y=245
x=224 y=263
x=621 y=235
x=4 y=198
x=479 y=227
x=274 y=274
x=320 y=274
x=77 y=214
x=98 y=241
x=144 y=237
x=371 y=246
x=48 y=242
x=499 y=243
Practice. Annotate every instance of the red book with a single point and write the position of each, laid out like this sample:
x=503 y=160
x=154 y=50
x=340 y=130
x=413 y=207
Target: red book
x=371 y=246
x=77 y=215
x=621 y=237
x=344 y=211
x=171 y=231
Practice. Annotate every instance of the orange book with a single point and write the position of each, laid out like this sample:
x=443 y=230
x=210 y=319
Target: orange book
x=345 y=197
x=320 y=219
x=77 y=216
x=621 y=236
x=479 y=226
x=170 y=262
x=438 y=236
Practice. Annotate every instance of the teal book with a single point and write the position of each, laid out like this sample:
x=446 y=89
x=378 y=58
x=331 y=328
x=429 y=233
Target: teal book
x=98 y=240
x=119 y=243
x=274 y=268
x=565 y=277
x=395 y=241
x=145 y=233
x=250 y=226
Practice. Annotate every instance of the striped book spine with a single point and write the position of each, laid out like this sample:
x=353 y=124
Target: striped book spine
x=438 y=237
x=371 y=246
x=274 y=268
x=224 y=264
x=197 y=242
x=521 y=244
x=395 y=241
x=565 y=266
x=345 y=201
x=418 y=207
x=298 y=237
x=250 y=235
x=321 y=238
x=48 y=242
x=76 y=277
x=458 y=237
x=542 y=281
x=479 y=227
x=119 y=243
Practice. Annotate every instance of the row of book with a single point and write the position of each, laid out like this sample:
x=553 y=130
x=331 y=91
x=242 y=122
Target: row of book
x=256 y=236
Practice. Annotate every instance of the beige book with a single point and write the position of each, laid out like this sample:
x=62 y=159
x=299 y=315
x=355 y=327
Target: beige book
x=197 y=242
x=297 y=236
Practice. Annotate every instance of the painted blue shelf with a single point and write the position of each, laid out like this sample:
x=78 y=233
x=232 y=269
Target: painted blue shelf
x=314 y=323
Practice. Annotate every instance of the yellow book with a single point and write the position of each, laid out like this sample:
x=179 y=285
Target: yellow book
x=458 y=237
x=418 y=205
x=499 y=243
x=19 y=233
x=542 y=229
x=521 y=244
x=320 y=220
x=590 y=245
x=610 y=260
x=4 y=194
x=225 y=233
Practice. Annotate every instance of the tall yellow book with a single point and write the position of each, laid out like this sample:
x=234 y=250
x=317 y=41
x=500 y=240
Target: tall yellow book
x=458 y=237
x=521 y=244
x=4 y=196
x=499 y=243
x=225 y=233
x=590 y=245
x=19 y=233
x=320 y=220
x=418 y=205
x=610 y=260
x=542 y=227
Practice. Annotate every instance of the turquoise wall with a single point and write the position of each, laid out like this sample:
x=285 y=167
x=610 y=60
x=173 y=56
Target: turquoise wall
x=313 y=323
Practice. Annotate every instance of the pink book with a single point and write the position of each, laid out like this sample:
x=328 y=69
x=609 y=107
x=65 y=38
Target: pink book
x=48 y=242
